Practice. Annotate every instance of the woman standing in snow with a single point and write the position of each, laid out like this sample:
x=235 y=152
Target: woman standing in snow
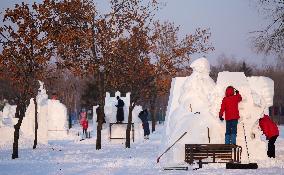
x=270 y=130
x=84 y=123
x=120 y=112
x=230 y=107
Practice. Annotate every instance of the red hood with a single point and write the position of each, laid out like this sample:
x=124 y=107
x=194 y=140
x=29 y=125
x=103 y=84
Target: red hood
x=229 y=91
x=264 y=117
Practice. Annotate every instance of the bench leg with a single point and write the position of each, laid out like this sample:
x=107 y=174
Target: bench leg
x=199 y=165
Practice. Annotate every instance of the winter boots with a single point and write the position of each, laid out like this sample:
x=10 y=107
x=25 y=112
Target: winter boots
x=146 y=137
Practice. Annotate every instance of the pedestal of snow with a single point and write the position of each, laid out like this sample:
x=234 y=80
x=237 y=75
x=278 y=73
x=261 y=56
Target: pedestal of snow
x=199 y=93
x=57 y=120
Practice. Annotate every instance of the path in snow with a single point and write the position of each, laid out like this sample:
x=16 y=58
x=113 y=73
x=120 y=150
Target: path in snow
x=74 y=158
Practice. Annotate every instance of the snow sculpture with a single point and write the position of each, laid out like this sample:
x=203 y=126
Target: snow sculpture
x=8 y=115
x=52 y=119
x=199 y=93
x=1 y=118
x=28 y=124
x=110 y=109
x=118 y=131
x=42 y=102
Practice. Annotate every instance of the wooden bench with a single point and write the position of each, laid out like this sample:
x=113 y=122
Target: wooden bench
x=212 y=153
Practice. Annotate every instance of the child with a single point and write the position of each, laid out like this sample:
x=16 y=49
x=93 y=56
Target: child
x=270 y=130
x=84 y=123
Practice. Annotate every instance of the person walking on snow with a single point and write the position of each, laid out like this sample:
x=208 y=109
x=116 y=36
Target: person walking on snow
x=120 y=112
x=230 y=107
x=145 y=124
x=84 y=123
x=271 y=131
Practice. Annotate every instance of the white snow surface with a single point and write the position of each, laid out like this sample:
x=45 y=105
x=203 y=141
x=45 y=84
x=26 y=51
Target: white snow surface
x=199 y=93
x=74 y=157
x=66 y=154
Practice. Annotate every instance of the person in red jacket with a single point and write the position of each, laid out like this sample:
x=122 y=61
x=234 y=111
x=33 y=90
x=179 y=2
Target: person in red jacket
x=230 y=107
x=270 y=130
x=84 y=123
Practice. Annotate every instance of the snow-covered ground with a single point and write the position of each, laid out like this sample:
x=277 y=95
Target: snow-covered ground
x=74 y=157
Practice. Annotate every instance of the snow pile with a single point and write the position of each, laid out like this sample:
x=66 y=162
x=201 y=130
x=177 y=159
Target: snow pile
x=195 y=102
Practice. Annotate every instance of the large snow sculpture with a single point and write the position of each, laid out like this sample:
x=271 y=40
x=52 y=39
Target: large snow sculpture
x=52 y=118
x=199 y=93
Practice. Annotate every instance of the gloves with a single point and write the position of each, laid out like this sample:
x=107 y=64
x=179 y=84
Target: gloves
x=237 y=92
x=221 y=118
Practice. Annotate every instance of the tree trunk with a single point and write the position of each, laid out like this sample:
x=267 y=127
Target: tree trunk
x=99 y=128
x=36 y=124
x=100 y=114
x=128 y=128
x=153 y=111
x=70 y=120
x=20 y=112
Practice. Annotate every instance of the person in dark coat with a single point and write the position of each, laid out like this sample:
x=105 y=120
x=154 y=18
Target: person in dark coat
x=120 y=112
x=230 y=107
x=271 y=131
x=145 y=124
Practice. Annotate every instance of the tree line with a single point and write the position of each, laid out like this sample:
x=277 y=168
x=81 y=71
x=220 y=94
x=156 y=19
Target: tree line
x=62 y=42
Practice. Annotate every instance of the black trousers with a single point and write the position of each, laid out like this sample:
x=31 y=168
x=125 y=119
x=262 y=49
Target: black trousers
x=271 y=147
x=85 y=132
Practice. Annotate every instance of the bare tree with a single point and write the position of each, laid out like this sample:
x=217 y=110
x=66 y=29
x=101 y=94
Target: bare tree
x=271 y=38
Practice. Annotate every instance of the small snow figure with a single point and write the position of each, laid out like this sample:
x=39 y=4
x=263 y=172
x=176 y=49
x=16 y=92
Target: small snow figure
x=84 y=123
x=270 y=130
x=120 y=112
x=230 y=107
x=145 y=124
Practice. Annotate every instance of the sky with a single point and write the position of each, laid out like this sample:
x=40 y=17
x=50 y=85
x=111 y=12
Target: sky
x=231 y=23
